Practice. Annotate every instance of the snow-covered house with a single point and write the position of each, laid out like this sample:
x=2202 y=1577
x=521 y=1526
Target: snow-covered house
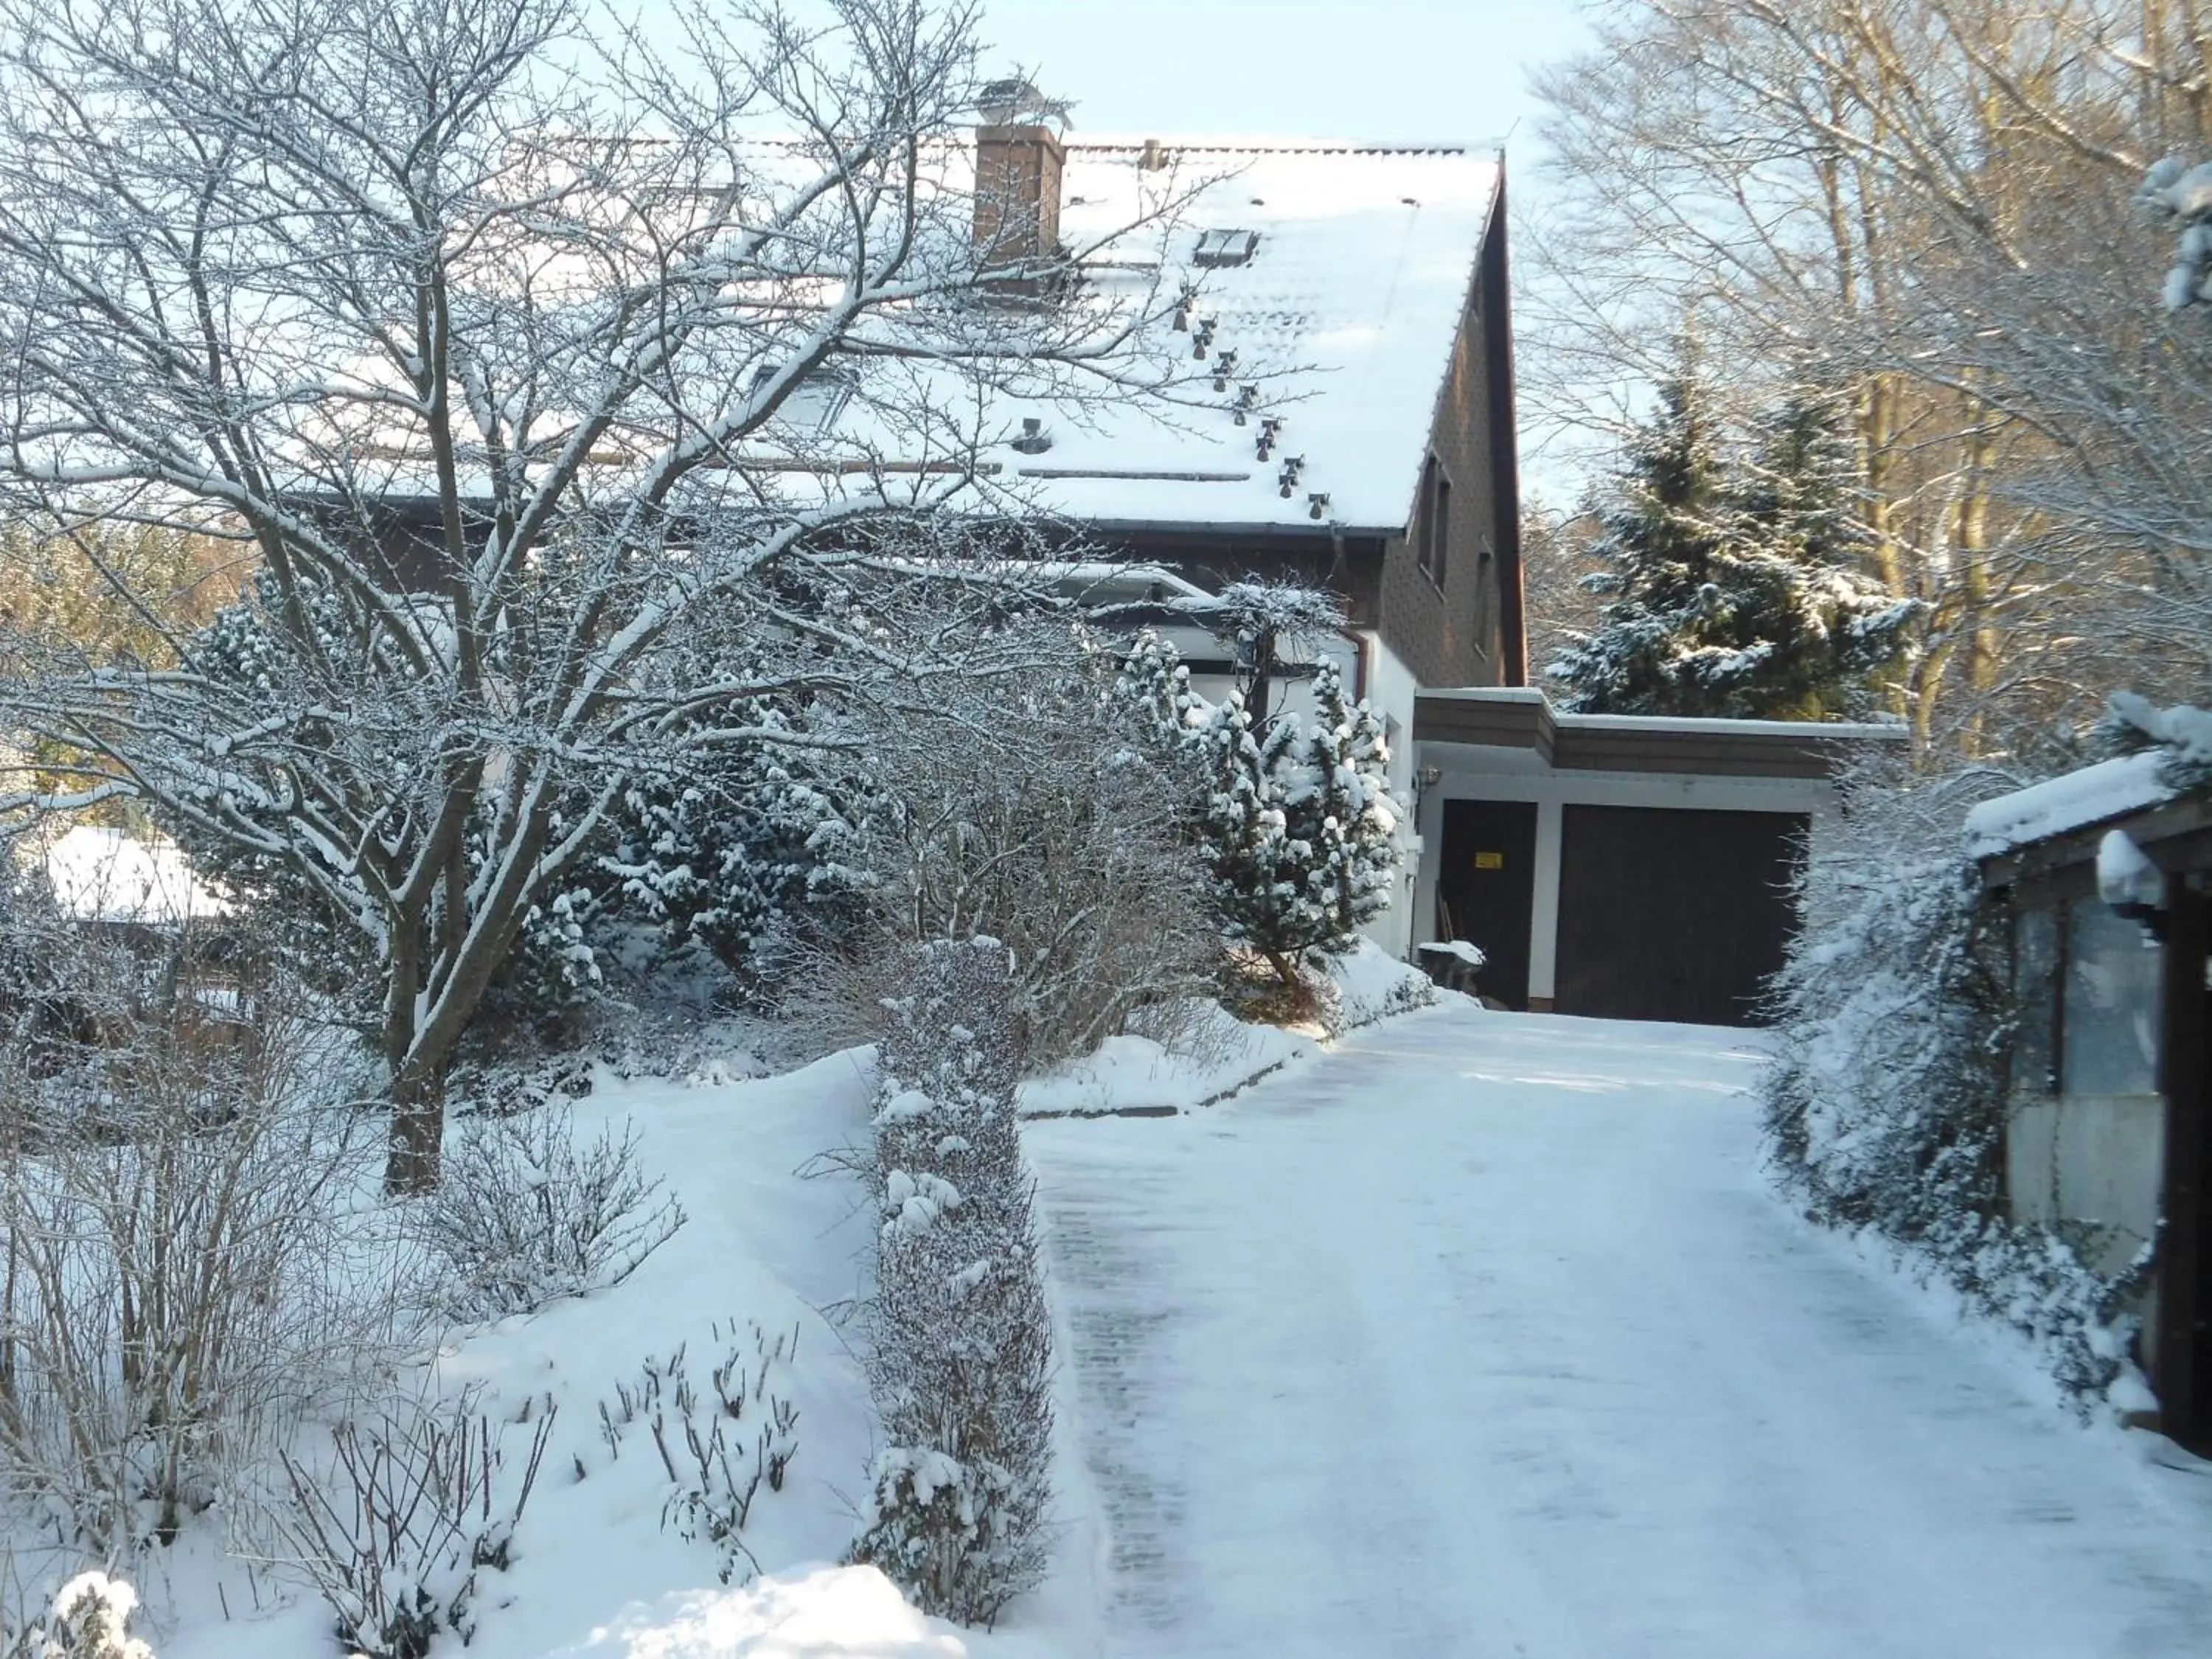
x=1353 y=302
x=1636 y=868
x=2102 y=880
x=1344 y=416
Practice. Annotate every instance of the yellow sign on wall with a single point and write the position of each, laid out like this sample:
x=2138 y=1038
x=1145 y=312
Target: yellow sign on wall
x=1490 y=860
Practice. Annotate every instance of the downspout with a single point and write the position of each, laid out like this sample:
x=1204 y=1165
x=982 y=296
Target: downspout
x=1359 y=640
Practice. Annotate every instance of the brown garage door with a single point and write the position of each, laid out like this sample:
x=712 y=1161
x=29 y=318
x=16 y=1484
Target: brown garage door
x=1668 y=914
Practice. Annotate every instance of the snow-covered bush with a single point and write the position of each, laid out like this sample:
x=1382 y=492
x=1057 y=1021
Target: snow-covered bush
x=394 y=1526
x=1367 y=983
x=527 y=1212
x=91 y=1619
x=1295 y=820
x=718 y=1451
x=183 y=1275
x=1885 y=1102
x=1033 y=813
x=723 y=853
x=959 y=1337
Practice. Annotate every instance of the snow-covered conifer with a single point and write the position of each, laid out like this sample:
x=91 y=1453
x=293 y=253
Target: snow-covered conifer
x=1352 y=811
x=1295 y=819
x=1734 y=579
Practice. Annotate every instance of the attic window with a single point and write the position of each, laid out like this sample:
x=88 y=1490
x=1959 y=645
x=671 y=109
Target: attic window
x=1226 y=248
x=811 y=407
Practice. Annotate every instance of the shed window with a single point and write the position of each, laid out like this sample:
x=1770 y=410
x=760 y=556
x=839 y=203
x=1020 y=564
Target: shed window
x=2110 y=1044
x=2035 y=989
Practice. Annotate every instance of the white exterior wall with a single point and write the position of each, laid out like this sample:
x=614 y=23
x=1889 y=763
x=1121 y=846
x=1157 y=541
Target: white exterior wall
x=1471 y=772
x=1390 y=689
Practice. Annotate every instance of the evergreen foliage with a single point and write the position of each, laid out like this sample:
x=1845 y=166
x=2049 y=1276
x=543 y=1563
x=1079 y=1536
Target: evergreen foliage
x=1295 y=820
x=1735 y=580
x=706 y=851
x=720 y=855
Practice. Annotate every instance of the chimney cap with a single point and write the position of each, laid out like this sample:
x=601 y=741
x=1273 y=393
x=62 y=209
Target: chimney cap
x=1014 y=101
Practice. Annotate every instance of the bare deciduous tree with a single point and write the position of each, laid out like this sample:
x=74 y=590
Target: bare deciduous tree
x=511 y=348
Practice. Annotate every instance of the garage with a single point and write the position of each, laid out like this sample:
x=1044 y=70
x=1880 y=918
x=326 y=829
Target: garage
x=1672 y=914
x=1624 y=866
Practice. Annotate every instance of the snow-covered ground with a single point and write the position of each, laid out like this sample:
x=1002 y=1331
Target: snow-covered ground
x=1479 y=1337
x=1469 y=1334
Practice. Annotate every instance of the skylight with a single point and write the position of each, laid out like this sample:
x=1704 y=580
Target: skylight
x=812 y=406
x=1226 y=248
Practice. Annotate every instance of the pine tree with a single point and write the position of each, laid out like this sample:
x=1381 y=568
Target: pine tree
x=1736 y=589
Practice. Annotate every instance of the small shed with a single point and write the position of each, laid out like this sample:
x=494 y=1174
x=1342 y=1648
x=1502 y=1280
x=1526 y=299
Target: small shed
x=1625 y=866
x=2104 y=881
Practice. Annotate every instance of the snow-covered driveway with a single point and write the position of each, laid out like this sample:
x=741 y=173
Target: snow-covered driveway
x=1479 y=1338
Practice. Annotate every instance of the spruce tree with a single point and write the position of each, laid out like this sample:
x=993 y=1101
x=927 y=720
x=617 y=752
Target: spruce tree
x=1736 y=588
x=1812 y=628
x=1659 y=540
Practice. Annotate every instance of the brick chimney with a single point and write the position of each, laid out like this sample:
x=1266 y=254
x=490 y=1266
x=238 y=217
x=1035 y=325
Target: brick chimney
x=1018 y=165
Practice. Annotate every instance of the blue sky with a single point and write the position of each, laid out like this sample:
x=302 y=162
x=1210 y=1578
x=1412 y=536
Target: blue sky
x=1433 y=71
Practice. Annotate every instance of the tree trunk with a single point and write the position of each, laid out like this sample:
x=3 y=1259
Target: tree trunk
x=419 y=1113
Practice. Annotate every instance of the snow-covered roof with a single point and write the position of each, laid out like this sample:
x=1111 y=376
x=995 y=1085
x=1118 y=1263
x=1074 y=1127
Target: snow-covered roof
x=1348 y=304
x=103 y=875
x=2072 y=800
x=1330 y=278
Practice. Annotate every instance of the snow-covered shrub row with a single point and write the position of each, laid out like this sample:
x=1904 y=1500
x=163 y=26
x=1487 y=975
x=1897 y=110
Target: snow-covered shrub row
x=183 y=1279
x=959 y=1337
x=1295 y=821
x=528 y=1212
x=394 y=1526
x=1885 y=1102
x=717 y=1451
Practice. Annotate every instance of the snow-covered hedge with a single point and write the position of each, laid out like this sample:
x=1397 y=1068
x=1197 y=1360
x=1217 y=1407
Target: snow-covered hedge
x=1885 y=1102
x=959 y=1335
